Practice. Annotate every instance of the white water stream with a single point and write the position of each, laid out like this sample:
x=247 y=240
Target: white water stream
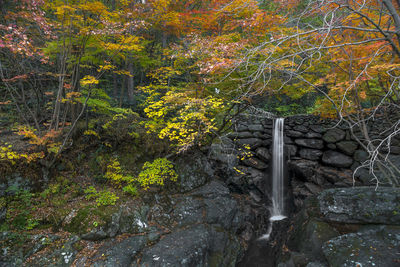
x=278 y=203
x=278 y=198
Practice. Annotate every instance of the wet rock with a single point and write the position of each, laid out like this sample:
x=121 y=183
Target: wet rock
x=252 y=142
x=303 y=169
x=188 y=211
x=224 y=153
x=311 y=154
x=255 y=163
x=363 y=205
x=262 y=135
x=377 y=246
x=287 y=140
x=309 y=236
x=334 y=176
x=256 y=178
x=294 y=134
x=331 y=146
x=313 y=188
x=334 y=135
x=310 y=143
x=347 y=147
x=241 y=128
x=212 y=189
x=313 y=135
x=316 y=264
x=395 y=150
x=221 y=211
x=128 y=219
x=194 y=170
x=240 y=135
x=317 y=128
x=300 y=128
x=195 y=246
x=263 y=153
x=336 y=159
x=291 y=150
x=118 y=254
x=255 y=128
x=63 y=256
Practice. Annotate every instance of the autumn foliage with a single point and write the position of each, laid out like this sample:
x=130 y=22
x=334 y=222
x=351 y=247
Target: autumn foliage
x=187 y=66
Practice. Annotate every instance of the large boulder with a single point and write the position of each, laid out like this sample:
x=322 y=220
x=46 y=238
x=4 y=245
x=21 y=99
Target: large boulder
x=334 y=135
x=362 y=205
x=336 y=159
x=376 y=246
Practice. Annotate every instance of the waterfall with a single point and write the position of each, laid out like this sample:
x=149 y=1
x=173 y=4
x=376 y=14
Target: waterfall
x=278 y=202
x=278 y=199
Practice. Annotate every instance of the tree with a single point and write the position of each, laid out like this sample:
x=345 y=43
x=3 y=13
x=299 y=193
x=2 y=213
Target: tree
x=348 y=51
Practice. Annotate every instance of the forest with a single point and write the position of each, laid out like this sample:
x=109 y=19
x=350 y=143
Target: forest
x=106 y=104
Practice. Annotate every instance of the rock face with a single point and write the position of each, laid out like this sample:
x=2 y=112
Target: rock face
x=203 y=231
x=206 y=226
x=377 y=246
x=361 y=205
x=197 y=245
x=357 y=226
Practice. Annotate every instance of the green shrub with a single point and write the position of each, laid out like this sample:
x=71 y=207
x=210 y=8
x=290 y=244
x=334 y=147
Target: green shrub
x=131 y=190
x=157 y=172
x=115 y=173
x=103 y=198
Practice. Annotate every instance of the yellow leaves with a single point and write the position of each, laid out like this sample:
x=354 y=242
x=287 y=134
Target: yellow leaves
x=124 y=43
x=71 y=97
x=63 y=10
x=91 y=132
x=183 y=119
x=123 y=72
x=88 y=80
x=105 y=67
x=94 y=7
x=156 y=173
x=7 y=154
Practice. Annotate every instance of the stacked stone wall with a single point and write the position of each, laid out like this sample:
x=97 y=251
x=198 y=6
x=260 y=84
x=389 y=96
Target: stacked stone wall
x=320 y=154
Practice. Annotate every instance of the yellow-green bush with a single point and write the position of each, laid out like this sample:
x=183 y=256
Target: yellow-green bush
x=115 y=173
x=156 y=173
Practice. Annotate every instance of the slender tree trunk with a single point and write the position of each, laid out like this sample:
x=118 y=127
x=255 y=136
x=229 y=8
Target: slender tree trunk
x=131 y=82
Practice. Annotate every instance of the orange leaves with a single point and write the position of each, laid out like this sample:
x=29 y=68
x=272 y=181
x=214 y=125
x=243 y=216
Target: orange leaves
x=47 y=139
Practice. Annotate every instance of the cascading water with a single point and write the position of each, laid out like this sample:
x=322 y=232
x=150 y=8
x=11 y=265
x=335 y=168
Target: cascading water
x=278 y=200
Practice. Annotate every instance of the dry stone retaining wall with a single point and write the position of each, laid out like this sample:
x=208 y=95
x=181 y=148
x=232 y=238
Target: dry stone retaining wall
x=320 y=155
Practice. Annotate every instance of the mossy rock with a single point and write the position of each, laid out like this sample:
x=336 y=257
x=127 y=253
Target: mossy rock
x=89 y=217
